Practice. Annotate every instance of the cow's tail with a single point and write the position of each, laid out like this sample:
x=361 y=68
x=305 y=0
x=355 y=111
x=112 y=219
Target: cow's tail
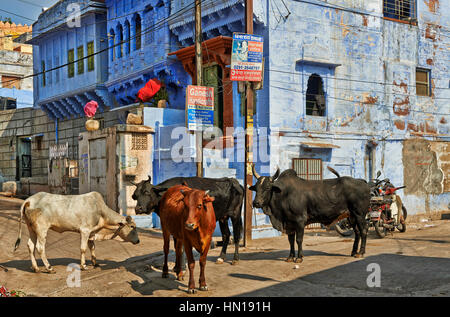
x=22 y=211
x=332 y=170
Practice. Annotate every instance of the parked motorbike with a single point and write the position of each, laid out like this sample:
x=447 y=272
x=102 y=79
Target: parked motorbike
x=383 y=212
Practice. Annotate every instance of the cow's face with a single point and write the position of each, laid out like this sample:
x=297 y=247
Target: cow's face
x=147 y=196
x=197 y=203
x=264 y=188
x=127 y=231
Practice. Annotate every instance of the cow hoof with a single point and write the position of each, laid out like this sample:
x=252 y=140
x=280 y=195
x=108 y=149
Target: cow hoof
x=235 y=262
x=298 y=260
x=35 y=270
x=203 y=288
x=191 y=291
x=290 y=259
x=219 y=261
x=50 y=271
x=84 y=267
x=359 y=255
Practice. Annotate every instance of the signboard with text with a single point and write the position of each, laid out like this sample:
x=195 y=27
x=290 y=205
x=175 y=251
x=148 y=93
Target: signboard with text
x=200 y=107
x=246 y=57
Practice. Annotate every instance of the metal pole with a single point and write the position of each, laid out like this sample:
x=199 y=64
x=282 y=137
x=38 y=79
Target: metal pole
x=248 y=179
x=198 y=64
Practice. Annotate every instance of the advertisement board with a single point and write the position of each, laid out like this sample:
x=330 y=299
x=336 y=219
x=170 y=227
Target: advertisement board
x=246 y=57
x=199 y=107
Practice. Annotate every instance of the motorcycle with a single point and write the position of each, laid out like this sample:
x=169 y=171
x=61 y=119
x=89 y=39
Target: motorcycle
x=383 y=212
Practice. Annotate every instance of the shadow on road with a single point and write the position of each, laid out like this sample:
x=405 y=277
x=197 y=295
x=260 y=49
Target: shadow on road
x=399 y=275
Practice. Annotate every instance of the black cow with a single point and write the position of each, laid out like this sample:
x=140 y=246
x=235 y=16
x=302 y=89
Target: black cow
x=292 y=203
x=228 y=194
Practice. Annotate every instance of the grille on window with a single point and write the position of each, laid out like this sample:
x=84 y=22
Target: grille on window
x=139 y=141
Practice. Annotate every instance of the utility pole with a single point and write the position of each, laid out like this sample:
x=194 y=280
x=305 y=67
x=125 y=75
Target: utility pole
x=198 y=64
x=248 y=179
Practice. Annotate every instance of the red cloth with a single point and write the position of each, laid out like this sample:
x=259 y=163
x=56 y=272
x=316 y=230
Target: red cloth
x=149 y=90
x=90 y=108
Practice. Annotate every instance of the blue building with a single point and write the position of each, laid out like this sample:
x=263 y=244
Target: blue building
x=65 y=38
x=139 y=41
x=358 y=87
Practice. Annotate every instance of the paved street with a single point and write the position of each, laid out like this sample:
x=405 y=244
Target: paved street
x=414 y=263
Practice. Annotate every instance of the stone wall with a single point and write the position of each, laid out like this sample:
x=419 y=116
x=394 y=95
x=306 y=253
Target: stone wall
x=34 y=123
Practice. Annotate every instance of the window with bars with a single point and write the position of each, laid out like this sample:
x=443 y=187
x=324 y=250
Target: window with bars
x=404 y=10
x=80 y=56
x=70 y=62
x=308 y=168
x=91 y=58
x=423 y=82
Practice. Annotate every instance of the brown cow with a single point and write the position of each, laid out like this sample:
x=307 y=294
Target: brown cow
x=188 y=215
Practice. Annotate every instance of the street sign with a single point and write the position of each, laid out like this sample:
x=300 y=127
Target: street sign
x=246 y=57
x=200 y=107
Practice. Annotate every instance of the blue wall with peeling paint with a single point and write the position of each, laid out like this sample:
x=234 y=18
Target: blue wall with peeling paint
x=368 y=65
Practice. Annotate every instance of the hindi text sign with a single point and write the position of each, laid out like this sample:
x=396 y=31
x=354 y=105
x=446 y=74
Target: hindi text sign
x=246 y=57
x=200 y=107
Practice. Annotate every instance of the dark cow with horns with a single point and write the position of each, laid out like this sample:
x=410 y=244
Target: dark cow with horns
x=292 y=203
x=188 y=215
x=228 y=194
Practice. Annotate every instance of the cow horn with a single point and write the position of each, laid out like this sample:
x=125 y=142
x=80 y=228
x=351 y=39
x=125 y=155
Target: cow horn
x=207 y=192
x=277 y=173
x=149 y=178
x=121 y=225
x=254 y=172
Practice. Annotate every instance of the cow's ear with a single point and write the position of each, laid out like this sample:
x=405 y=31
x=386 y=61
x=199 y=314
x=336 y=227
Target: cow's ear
x=159 y=189
x=276 y=189
x=129 y=219
x=252 y=188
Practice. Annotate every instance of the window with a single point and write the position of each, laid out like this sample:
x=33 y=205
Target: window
x=91 y=58
x=423 y=82
x=112 y=50
x=399 y=9
x=80 y=57
x=127 y=37
x=212 y=78
x=308 y=168
x=138 y=26
x=119 y=41
x=43 y=73
x=70 y=62
x=315 y=97
x=11 y=82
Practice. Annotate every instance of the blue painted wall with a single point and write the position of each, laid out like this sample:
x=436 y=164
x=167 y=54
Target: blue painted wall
x=53 y=37
x=143 y=57
x=368 y=66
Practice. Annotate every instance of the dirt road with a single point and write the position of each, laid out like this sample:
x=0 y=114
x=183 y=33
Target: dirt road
x=414 y=263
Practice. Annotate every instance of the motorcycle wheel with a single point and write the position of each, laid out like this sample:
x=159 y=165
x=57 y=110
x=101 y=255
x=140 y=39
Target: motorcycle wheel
x=402 y=226
x=344 y=228
x=379 y=228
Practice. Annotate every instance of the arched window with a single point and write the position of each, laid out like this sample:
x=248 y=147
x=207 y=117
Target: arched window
x=119 y=41
x=136 y=32
x=315 y=97
x=127 y=37
x=111 y=39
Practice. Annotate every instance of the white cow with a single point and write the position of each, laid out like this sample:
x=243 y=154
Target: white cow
x=87 y=214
